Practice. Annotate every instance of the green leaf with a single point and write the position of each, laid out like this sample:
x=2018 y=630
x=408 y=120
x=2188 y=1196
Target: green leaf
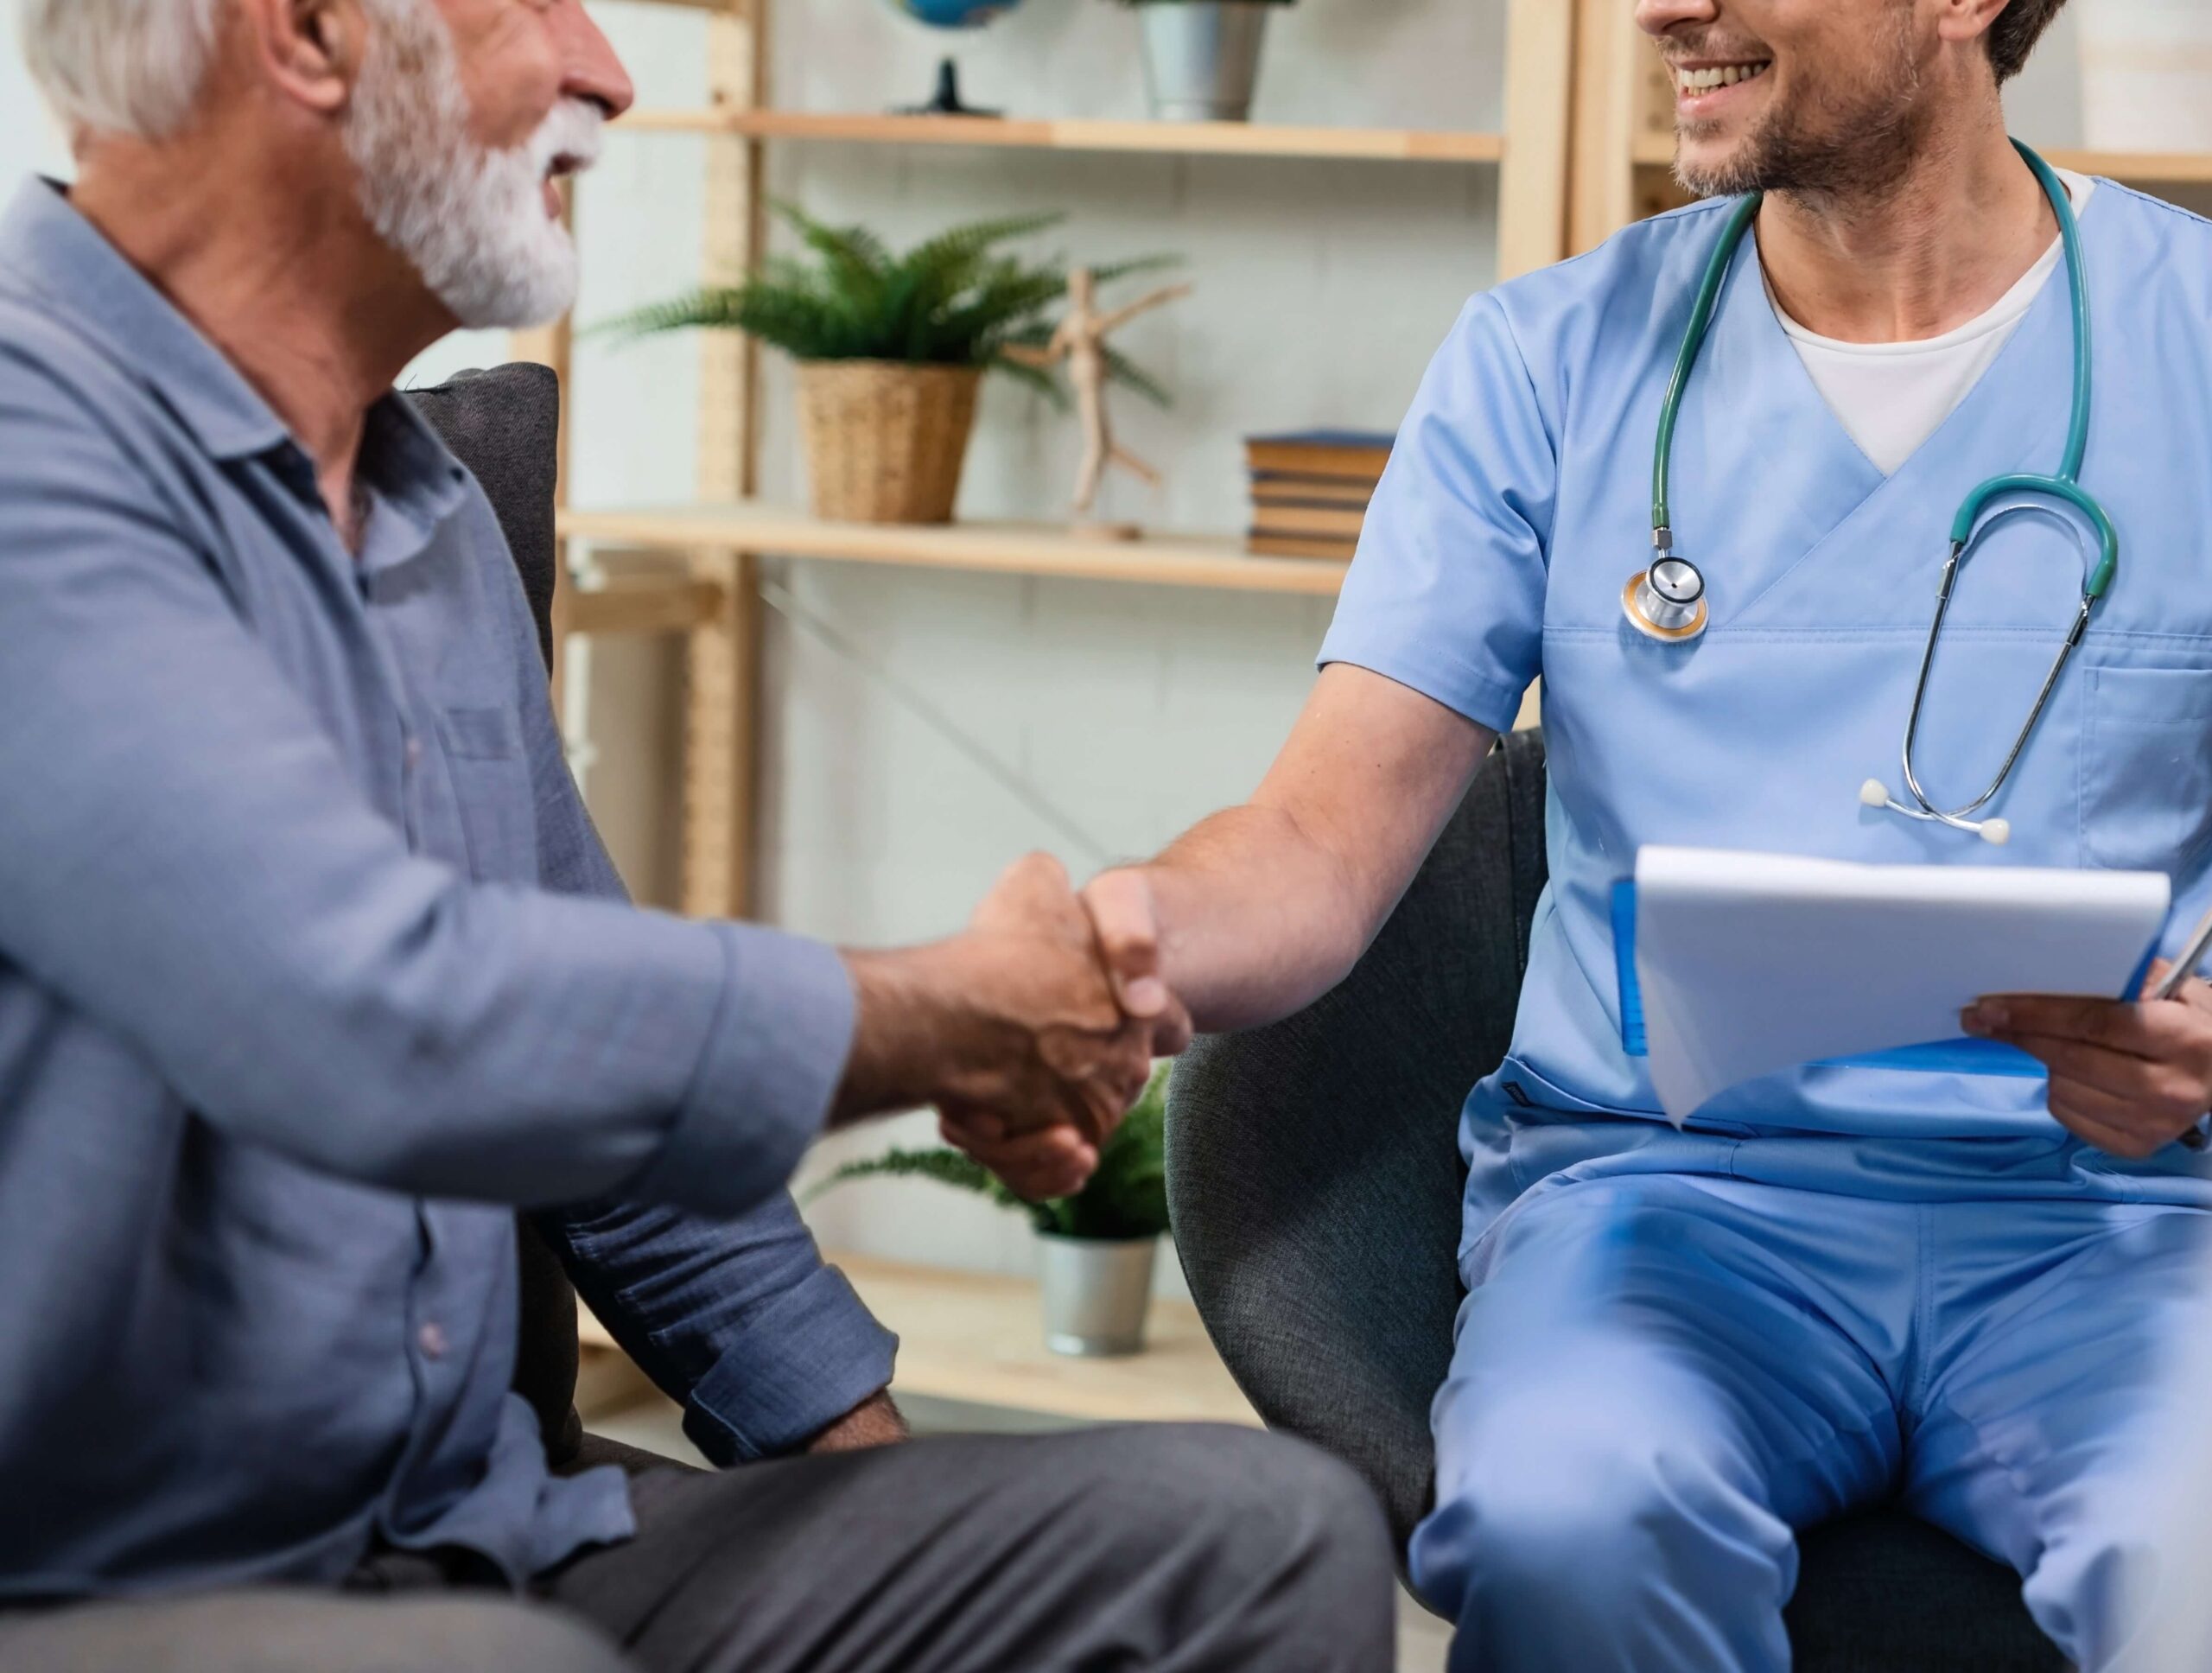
x=954 y=299
x=943 y=1166
x=1113 y=271
x=1122 y=370
x=1040 y=381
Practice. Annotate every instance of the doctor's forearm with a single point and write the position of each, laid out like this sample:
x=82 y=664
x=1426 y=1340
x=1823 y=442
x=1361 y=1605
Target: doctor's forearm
x=1259 y=911
x=1255 y=921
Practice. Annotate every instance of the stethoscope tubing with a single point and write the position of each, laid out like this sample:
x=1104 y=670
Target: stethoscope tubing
x=2064 y=485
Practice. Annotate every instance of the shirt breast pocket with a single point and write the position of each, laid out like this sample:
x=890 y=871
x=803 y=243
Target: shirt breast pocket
x=2146 y=768
x=492 y=785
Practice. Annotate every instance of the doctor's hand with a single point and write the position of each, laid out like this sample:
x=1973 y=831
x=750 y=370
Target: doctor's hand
x=1012 y=1029
x=1050 y=1164
x=2130 y=1078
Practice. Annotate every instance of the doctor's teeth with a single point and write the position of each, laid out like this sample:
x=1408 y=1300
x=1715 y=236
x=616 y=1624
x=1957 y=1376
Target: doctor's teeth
x=1723 y=75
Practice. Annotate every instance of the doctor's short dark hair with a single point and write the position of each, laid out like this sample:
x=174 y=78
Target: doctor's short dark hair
x=2016 y=31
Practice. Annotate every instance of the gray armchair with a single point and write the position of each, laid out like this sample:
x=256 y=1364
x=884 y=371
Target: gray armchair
x=505 y=425
x=1315 y=1179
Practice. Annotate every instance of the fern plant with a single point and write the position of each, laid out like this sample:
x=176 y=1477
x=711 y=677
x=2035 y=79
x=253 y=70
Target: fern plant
x=955 y=300
x=1126 y=1197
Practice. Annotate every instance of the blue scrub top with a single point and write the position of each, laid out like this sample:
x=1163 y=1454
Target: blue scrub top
x=1518 y=503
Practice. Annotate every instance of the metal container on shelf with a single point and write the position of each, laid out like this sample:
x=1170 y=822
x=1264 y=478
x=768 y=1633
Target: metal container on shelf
x=1202 y=57
x=1097 y=1292
x=2146 y=74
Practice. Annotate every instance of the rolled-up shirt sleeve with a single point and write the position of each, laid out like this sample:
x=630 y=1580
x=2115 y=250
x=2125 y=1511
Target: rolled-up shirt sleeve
x=741 y=1321
x=184 y=856
x=738 y=1321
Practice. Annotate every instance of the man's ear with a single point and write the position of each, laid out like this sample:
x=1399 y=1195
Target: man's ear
x=1968 y=20
x=309 y=51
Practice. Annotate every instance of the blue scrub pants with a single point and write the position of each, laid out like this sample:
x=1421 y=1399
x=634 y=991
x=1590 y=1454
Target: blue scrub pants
x=1660 y=1375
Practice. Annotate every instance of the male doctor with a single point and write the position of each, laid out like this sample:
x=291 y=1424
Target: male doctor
x=1839 y=1283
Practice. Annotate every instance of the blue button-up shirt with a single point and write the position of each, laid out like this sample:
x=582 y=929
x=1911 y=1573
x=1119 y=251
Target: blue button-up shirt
x=311 y=971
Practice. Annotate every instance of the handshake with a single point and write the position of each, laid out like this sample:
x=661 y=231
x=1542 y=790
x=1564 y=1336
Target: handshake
x=1032 y=1032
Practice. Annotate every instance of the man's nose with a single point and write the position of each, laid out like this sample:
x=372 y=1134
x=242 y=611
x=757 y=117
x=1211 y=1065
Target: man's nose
x=590 y=69
x=1656 y=18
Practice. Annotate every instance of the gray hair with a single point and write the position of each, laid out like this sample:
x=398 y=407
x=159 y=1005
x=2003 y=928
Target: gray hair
x=120 y=67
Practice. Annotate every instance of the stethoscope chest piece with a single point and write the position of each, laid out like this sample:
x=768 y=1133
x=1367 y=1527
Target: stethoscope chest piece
x=1666 y=601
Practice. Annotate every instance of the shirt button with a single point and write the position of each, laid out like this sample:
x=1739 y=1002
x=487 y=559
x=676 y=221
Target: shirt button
x=432 y=1340
x=414 y=754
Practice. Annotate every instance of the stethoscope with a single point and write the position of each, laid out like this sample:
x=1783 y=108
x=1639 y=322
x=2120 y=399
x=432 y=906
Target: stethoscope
x=1666 y=601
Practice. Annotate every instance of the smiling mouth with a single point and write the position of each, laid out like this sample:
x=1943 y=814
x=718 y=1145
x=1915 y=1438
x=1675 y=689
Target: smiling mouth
x=563 y=167
x=1711 y=77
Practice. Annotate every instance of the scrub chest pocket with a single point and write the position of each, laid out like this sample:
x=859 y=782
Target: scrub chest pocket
x=2146 y=768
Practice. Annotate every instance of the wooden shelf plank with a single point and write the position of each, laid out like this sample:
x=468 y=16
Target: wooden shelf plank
x=671 y=604
x=980 y=1339
x=997 y=548
x=2140 y=167
x=1184 y=138
x=2135 y=168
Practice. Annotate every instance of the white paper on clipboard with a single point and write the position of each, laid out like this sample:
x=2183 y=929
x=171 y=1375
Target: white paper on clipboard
x=1752 y=964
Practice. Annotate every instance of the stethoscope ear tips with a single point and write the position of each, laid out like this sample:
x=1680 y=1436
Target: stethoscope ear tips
x=1995 y=833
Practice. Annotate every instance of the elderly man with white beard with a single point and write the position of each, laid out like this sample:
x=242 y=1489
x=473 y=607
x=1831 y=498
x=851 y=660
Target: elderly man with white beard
x=313 y=972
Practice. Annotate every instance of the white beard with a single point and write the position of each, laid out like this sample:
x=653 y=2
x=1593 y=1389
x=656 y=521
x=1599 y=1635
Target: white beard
x=472 y=220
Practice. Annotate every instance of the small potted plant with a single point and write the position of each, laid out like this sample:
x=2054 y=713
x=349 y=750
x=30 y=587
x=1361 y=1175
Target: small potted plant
x=1095 y=1249
x=890 y=351
x=1202 y=57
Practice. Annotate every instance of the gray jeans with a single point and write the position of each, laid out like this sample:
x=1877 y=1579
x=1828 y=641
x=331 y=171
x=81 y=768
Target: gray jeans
x=1168 y=1549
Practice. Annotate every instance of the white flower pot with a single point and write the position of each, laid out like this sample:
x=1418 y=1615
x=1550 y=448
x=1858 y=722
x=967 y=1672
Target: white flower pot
x=2146 y=74
x=1096 y=1293
x=1202 y=57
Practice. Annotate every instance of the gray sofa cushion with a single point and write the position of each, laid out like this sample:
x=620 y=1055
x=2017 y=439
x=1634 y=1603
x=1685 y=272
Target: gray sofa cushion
x=1314 y=1179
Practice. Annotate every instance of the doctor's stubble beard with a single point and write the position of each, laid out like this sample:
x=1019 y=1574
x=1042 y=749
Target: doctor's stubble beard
x=1841 y=141
x=470 y=220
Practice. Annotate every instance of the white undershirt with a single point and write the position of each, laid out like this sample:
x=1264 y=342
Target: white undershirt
x=1892 y=397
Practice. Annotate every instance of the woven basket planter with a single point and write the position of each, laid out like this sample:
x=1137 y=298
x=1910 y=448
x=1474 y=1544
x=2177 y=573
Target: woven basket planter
x=885 y=441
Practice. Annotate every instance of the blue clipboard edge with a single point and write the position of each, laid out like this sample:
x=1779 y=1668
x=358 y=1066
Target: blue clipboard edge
x=1961 y=1056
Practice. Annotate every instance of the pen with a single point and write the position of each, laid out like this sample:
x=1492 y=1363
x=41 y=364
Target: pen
x=2187 y=960
x=2184 y=965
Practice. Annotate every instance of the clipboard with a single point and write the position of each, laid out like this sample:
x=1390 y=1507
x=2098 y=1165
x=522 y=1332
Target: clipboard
x=1962 y=1055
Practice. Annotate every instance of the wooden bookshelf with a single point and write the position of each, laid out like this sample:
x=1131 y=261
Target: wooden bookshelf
x=988 y=548
x=715 y=608
x=1171 y=139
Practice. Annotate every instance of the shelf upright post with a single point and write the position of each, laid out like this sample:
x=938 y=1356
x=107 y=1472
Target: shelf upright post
x=721 y=698
x=1607 y=114
x=1532 y=193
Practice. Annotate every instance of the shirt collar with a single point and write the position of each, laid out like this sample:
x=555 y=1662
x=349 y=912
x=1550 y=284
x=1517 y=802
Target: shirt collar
x=410 y=471
x=77 y=276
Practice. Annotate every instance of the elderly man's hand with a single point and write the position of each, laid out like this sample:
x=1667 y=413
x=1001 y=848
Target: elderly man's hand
x=2129 y=1077
x=1056 y=1161
x=1013 y=1030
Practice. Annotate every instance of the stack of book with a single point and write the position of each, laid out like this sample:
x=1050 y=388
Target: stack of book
x=1310 y=491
